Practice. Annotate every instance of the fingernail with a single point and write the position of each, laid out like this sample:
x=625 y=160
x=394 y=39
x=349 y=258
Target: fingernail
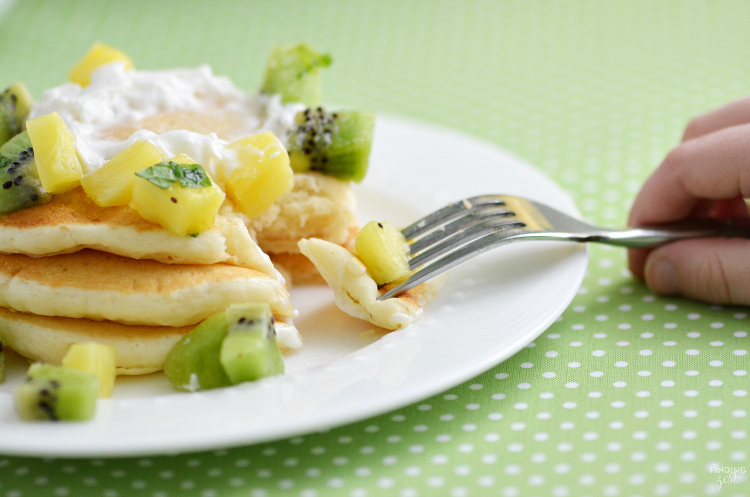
x=661 y=277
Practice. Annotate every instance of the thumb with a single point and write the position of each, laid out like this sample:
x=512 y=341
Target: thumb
x=715 y=270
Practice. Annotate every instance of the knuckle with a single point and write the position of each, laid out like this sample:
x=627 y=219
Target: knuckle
x=712 y=281
x=676 y=159
x=696 y=127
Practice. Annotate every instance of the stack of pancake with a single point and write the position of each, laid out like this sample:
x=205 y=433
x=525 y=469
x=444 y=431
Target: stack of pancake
x=71 y=271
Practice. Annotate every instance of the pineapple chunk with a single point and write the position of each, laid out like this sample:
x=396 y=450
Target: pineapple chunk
x=180 y=197
x=95 y=358
x=99 y=55
x=56 y=161
x=263 y=176
x=384 y=251
x=112 y=184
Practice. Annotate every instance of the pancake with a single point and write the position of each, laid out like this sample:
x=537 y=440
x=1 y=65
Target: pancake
x=71 y=221
x=101 y=286
x=356 y=292
x=317 y=207
x=138 y=349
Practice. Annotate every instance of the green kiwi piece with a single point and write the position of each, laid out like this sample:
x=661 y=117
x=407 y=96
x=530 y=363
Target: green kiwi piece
x=15 y=105
x=294 y=72
x=249 y=351
x=337 y=144
x=19 y=182
x=55 y=393
x=193 y=363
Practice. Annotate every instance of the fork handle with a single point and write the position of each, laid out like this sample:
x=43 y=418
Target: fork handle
x=649 y=236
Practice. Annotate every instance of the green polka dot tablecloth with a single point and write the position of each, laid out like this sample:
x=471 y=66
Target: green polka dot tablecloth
x=627 y=394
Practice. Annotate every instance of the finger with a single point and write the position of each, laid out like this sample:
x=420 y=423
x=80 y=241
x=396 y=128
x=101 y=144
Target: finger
x=714 y=270
x=712 y=167
x=732 y=114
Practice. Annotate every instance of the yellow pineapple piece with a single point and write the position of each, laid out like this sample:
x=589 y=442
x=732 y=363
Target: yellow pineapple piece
x=112 y=184
x=99 y=55
x=54 y=152
x=384 y=251
x=179 y=197
x=263 y=176
x=95 y=358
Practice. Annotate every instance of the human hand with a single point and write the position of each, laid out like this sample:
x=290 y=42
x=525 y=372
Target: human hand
x=707 y=175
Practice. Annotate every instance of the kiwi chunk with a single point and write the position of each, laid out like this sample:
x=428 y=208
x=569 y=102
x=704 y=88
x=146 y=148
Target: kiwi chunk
x=15 y=104
x=293 y=71
x=193 y=363
x=56 y=393
x=250 y=351
x=19 y=182
x=384 y=251
x=337 y=144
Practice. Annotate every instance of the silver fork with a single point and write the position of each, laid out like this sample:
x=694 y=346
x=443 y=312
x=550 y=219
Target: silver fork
x=469 y=227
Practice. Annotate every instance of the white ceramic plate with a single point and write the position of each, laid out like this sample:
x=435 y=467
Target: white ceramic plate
x=491 y=307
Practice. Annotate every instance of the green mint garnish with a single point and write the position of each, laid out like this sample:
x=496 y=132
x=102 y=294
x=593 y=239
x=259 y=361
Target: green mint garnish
x=165 y=174
x=312 y=60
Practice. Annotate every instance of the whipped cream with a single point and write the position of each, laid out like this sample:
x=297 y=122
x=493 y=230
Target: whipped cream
x=104 y=117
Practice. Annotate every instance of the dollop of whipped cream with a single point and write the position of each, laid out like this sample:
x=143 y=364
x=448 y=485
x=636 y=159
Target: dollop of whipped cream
x=120 y=107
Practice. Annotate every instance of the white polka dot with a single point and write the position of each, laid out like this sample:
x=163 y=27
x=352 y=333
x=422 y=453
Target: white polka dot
x=594 y=395
x=645 y=352
x=569 y=405
x=596 y=374
x=647 y=335
x=524 y=386
x=666 y=403
x=693 y=316
x=693 y=334
x=598 y=353
x=621 y=364
x=574 y=364
x=670 y=343
x=692 y=373
x=644 y=373
x=546 y=395
x=549 y=374
x=692 y=352
x=571 y=384
x=667 y=383
x=501 y=376
x=668 y=364
x=551 y=353
x=691 y=393
x=543 y=415
x=620 y=384
x=642 y=393
x=740 y=352
x=618 y=404
x=739 y=393
x=600 y=335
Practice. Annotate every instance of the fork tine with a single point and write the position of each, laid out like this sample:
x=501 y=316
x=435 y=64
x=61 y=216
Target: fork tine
x=463 y=237
x=468 y=219
x=478 y=246
x=450 y=212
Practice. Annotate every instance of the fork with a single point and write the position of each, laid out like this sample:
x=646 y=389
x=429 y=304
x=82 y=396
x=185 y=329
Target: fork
x=469 y=227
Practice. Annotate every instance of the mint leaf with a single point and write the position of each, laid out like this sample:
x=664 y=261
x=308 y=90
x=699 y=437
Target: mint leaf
x=165 y=174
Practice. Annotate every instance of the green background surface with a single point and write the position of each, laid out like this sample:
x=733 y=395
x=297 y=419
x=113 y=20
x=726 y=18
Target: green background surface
x=628 y=393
